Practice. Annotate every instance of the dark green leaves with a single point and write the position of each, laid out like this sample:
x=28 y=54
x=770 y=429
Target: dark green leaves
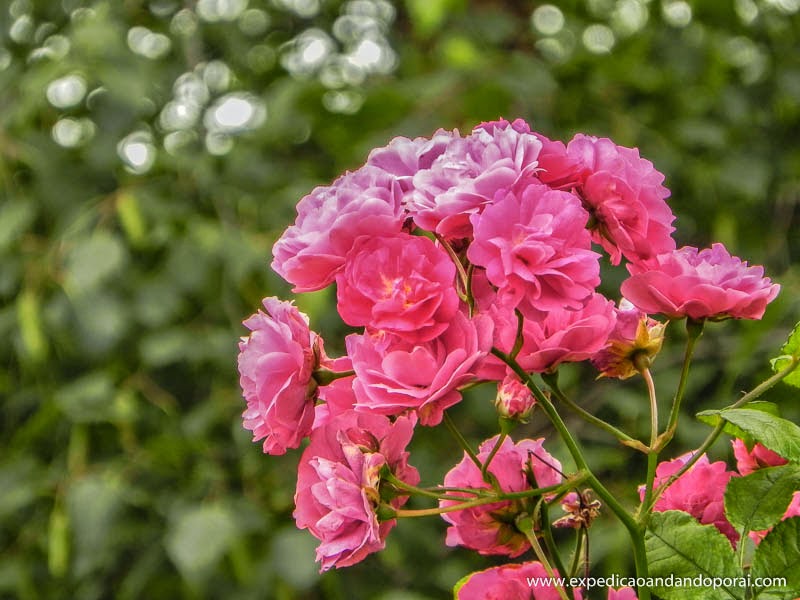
x=777 y=434
x=759 y=500
x=778 y=556
x=789 y=352
x=677 y=545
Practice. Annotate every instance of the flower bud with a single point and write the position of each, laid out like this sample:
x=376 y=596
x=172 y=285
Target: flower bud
x=514 y=400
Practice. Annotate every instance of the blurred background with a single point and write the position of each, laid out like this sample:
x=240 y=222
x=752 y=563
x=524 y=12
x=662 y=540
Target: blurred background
x=152 y=151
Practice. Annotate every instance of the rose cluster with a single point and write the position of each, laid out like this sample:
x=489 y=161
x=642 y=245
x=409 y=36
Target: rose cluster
x=447 y=254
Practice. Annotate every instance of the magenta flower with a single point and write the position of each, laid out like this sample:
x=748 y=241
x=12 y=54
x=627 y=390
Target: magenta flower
x=534 y=247
x=757 y=458
x=623 y=192
x=519 y=581
x=276 y=364
x=700 y=491
x=705 y=284
x=490 y=528
x=557 y=169
x=338 y=484
x=402 y=284
x=329 y=219
x=394 y=375
x=552 y=338
x=467 y=175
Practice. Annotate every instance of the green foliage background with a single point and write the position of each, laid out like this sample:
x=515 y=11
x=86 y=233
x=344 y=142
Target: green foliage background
x=124 y=469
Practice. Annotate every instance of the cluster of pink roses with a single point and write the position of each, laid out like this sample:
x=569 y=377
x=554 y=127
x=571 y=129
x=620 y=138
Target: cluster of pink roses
x=449 y=252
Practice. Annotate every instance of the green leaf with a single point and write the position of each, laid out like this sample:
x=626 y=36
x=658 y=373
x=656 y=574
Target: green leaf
x=677 y=545
x=777 y=434
x=789 y=351
x=778 y=555
x=759 y=500
x=712 y=417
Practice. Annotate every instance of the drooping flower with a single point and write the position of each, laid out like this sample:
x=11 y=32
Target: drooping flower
x=700 y=491
x=623 y=192
x=276 y=366
x=330 y=219
x=467 y=175
x=402 y=284
x=756 y=458
x=534 y=247
x=489 y=528
x=517 y=581
x=394 y=375
x=705 y=284
x=581 y=508
x=634 y=339
x=338 y=484
x=514 y=400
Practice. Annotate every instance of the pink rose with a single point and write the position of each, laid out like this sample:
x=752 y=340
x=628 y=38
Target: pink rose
x=338 y=484
x=534 y=247
x=490 y=528
x=623 y=192
x=552 y=338
x=403 y=158
x=525 y=581
x=468 y=173
x=403 y=285
x=394 y=375
x=705 y=284
x=276 y=364
x=700 y=491
x=557 y=169
x=329 y=219
x=635 y=337
x=626 y=593
x=759 y=457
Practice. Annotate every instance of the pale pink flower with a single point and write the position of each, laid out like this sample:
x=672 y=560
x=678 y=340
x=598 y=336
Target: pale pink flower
x=514 y=400
x=700 y=491
x=330 y=219
x=467 y=175
x=338 y=484
x=518 y=581
x=635 y=338
x=402 y=284
x=490 y=528
x=338 y=396
x=705 y=284
x=276 y=366
x=551 y=338
x=394 y=375
x=623 y=192
x=403 y=158
x=534 y=247
x=757 y=458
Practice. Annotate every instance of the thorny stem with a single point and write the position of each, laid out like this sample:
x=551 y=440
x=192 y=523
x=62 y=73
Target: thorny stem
x=634 y=529
x=753 y=394
x=551 y=379
x=694 y=329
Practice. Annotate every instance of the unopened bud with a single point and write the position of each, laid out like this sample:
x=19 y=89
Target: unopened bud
x=514 y=400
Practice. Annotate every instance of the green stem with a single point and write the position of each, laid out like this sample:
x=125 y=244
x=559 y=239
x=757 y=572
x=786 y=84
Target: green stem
x=652 y=457
x=411 y=489
x=576 y=558
x=485 y=469
x=753 y=394
x=551 y=379
x=547 y=534
x=525 y=525
x=694 y=329
x=634 y=530
x=461 y=441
